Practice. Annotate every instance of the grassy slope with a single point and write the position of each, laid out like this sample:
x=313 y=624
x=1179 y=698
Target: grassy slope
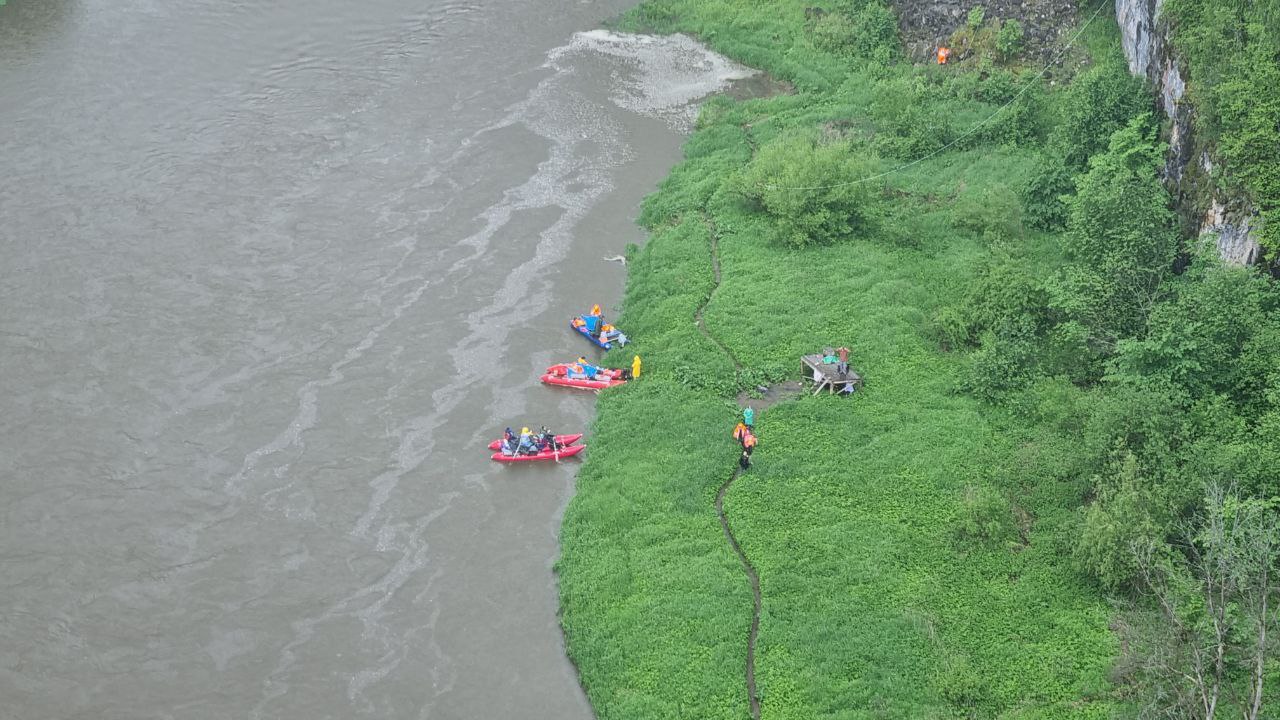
x=873 y=606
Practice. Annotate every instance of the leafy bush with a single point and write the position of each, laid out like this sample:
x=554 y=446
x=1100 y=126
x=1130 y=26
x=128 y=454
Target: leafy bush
x=1121 y=236
x=813 y=191
x=985 y=515
x=910 y=117
x=990 y=210
x=1125 y=514
x=1101 y=101
x=1009 y=39
x=1044 y=196
x=976 y=17
x=867 y=32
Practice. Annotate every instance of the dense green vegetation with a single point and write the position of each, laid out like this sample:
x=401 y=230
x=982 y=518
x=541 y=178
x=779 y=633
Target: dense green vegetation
x=1048 y=407
x=1233 y=53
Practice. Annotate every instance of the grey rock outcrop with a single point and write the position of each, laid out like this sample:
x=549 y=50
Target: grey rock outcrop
x=1146 y=46
x=926 y=24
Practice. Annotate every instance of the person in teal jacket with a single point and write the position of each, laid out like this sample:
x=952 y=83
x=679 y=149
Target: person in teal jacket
x=749 y=417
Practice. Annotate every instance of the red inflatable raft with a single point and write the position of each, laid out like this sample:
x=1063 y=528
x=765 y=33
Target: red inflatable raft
x=544 y=455
x=561 y=440
x=605 y=378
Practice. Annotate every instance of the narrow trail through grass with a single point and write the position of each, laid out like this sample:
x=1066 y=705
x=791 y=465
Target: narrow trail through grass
x=714 y=236
x=752 y=576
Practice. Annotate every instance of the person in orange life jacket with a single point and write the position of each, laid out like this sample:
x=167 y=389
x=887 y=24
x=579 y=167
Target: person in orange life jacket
x=944 y=54
x=739 y=432
x=748 y=445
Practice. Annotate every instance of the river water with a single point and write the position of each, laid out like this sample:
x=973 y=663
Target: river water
x=271 y=275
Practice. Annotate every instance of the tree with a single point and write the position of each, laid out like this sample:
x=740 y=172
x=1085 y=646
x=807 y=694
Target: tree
x=1217 y=594
x=1121 y=237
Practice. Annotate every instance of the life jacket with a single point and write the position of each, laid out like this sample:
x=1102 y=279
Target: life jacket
x=595 y=310
x=738 y=431
x=944 y=53
x=749 y=441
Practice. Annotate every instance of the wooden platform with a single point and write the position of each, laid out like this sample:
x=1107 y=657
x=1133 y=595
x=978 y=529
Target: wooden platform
x=828 y=376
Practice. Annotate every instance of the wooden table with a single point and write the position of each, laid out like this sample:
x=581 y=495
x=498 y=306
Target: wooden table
x=827 y=375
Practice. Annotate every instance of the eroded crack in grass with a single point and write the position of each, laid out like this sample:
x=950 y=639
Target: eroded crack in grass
x=747 y=567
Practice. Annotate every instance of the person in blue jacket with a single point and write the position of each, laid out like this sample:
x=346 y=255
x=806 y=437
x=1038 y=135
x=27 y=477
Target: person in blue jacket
x=589 y=371
x=594 y=320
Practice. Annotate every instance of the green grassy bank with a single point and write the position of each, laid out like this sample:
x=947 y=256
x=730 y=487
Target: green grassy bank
x=918 y=545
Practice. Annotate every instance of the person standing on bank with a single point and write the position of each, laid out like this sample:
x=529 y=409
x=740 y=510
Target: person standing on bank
x=843 y=367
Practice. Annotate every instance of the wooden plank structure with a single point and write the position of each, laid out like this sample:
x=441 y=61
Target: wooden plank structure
x=827 y=375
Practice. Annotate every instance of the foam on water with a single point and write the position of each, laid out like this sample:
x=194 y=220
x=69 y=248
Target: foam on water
x=661 y=76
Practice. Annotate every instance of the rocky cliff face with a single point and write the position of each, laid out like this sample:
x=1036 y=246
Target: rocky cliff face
x=926 y=24
x=1147 y=47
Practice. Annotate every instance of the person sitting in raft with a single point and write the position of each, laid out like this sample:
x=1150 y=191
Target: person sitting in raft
x=508 y=446
x=594 y=320
x=589 y=371
x=546 y=440
x=526 y=446
x=509 y=442
x=607 y=331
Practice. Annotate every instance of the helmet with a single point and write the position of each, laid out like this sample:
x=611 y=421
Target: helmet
x=524 y=430
x=582 y=358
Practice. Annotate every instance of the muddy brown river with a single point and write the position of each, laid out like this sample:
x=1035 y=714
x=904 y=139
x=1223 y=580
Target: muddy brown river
x=272 y=274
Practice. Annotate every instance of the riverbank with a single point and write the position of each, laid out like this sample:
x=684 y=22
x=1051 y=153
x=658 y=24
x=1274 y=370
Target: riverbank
x=913 y=544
